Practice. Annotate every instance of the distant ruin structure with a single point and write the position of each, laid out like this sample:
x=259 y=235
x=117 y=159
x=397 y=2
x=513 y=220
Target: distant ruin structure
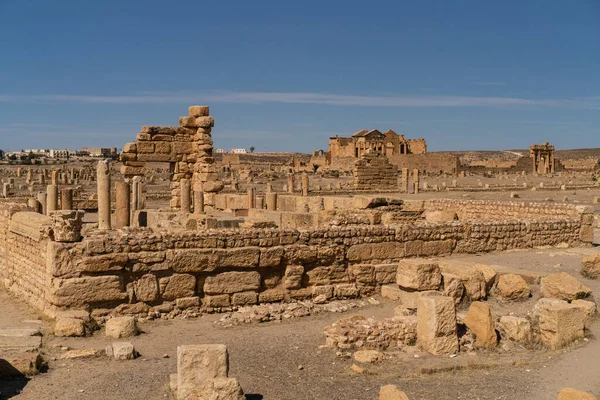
x=388 y=143
x=543 y=158
x=188 y=150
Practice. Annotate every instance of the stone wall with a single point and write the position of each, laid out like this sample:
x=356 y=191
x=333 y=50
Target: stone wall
x=432 y=163
x=140 y=269
x=374 y=172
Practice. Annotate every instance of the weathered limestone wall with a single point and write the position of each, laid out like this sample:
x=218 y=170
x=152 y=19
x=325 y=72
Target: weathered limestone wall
x=374 y=172
x=427 y=162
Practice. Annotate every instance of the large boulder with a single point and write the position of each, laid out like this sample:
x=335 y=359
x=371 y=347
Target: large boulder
x=418 y=275
x=69 y=327
x=590 y=267
x=512 y=287
x=563 y=286
x=436 y=325
x=480 y=321
x=489 y=274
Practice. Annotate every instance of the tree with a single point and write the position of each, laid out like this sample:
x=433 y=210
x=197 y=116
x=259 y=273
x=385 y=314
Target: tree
x=251 y=149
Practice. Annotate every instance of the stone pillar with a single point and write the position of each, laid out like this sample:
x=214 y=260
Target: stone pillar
x=41 y=179
x=405 y=180
x=186 y=201
x=271 y=200
x=123 y=205
x=251 y=198
x=42 y=200
x=36 y=205
x=55 y=177
x=103 y=184
x=66 y=199
x=291 y=183
x=19 y=172
x=5 y=189
x=416 y=180
x=52 y=199
x=304 y=184
x=137 y=201
x=28 y=180
x=199 y=202
x=269 y=187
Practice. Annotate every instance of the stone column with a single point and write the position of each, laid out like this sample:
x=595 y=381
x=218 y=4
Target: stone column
x=137 y=201
x=36 y=205
x=66 y=199
x=271 y=200
x=291 y=183
x=19 y=172
x=123 y=205
x=304 y=184
x=269 y=187
x=52 y=199
x=405 y=180
x=199 y=202
x=103 y=184
x=251 y=198
x=416 y=180
x=41 y=179
x=5 y=189
x=42 y=200
x=55 y=177
x=29 y=177
x=186 y=201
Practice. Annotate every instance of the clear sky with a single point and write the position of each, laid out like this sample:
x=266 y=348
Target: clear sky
x=286 y=75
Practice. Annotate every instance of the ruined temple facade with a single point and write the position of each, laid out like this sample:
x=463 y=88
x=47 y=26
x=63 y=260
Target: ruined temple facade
x=388 y=143
x=542 y=156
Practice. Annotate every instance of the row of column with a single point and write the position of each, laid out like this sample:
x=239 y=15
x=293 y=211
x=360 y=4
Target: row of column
x=128 y=198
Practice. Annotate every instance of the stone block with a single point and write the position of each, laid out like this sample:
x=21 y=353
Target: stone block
x=473 y=279
x=453 y=287
x=515 y=328
x=560 y=324
x=271 y=296
x=574 y=394
x=563 y=286
x=391 y=392
x=292 y=279
x=121 y=351
x=489 y=274
x=590 y=267
x=199 y=363
x=418 y=275
x=184 y=303
x=198 y=111
x=436 y=325
x=244 y=298
x=146 y=288
x=121 y=327
x=271 y=257
x=218 y=301
x=80 y=291
x=480 y=321
x=232 y=282
x=512 y=287
x=65 y=327
x=145 y=147
x=177 y=285
x=343 y=291
x=217 y=389
x=375 y=251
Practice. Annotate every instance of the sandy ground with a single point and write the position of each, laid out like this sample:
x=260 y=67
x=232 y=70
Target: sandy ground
x=266 y=357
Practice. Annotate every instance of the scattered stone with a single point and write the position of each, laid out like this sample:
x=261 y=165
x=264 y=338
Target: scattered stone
x=121 y=351
x=436 y=325
x=121 y=327
x=563 y=286
x=472 y=278
x=560 y=324
x=515 y=328
x=590 y=267
x=418 y=275
x=480 y=321
x=357 y=369
x=574 y=394
x=368 y=356
x=391 y=392
x=358 y=332
x=80 y=354
x=453 y=287
x=489 y=274
x=65 y=327
x=512 y=287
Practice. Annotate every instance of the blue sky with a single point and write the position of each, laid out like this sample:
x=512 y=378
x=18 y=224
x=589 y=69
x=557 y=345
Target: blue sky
x=284 y=76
